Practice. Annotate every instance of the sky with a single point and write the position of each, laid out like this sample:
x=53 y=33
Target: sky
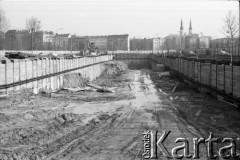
x=138 y=18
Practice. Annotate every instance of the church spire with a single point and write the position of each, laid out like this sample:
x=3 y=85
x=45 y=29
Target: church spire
x=181 y=28
x=190 y=27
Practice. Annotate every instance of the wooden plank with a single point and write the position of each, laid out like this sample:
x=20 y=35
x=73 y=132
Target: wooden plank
x=39 y=68
x=2 y=73
x=22 y=70
x=29 y=69
x=197 y=70
x=236 y=81
x=47 y=67
x=228 y=79
x=16 y=67
x=205 y=73
x=34 y=68
x=213 y=75
x=43 y=67
x=9 y=74
x=220 y=77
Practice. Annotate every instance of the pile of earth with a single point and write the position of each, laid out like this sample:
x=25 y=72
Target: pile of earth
x=110 y=77
x=73 y=80
x=113 y=68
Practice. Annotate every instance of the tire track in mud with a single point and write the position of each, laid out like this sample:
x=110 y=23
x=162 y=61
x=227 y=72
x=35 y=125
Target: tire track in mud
x=82 y=140
x=102 y=131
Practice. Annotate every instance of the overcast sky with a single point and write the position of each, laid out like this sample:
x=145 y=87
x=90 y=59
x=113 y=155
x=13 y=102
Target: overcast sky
x=141 y=18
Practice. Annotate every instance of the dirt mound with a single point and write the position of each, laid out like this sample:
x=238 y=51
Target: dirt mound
x=114 y=67
x=4 y=118
x=74 y=80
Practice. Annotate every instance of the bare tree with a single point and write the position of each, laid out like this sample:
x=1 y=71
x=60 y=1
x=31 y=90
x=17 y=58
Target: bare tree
x=230 y=29
x=33 y=24
x=231 y=26
x=4 y=23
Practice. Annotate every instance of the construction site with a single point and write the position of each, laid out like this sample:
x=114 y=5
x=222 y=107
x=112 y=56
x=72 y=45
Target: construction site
x=119 y=79
x=104 y=115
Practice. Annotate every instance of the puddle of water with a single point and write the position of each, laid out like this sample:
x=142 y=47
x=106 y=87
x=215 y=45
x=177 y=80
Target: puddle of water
x=142 y=87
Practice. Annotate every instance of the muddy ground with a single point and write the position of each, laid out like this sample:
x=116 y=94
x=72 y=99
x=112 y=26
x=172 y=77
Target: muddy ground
x=87 y=124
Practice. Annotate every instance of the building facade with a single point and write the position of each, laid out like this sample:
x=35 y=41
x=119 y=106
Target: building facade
x=204 y=42
x=23 y=40
x=17 y=40
x=10 y=42
x=43 y=40
x=62 y=42
x=191 y=42
x=2 y=37
x=141 y=44
x=100 y=42
x=172 y=42
x=118 y=42
x=184 y=41
x=78 y=43
x=157 y=44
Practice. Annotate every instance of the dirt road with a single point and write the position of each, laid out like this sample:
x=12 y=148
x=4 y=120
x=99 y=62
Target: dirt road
x=99 y=126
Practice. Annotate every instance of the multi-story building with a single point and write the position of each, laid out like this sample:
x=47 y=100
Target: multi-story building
x=99 y=41
x=61 y=41
x=191 y=41
x=157 y=44
x=141 y=44
x=43 y=40
x=23 y=40
x=17 y=40
x=10 y=42
x=204 y=42
x=78 y=43
x=118 y=42
x=2 y=37
x=136 y=44
x=224 y=42
x=172 y=42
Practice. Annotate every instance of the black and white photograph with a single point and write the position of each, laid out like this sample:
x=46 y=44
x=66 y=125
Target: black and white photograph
x=119 y=79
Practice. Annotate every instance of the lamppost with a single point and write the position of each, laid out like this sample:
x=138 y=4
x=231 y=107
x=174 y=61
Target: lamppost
x=57 y=38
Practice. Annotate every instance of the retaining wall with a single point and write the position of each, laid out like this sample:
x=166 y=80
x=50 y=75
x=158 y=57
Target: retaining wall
x=133 y=59
x=219 y=76
x=2 y=52
x=46 y=72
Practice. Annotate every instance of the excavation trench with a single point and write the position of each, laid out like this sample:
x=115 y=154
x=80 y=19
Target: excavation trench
x=83 y=123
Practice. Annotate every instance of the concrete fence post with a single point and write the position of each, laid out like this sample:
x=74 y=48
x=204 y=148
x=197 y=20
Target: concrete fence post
x=2 y=72
x=10 y=74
